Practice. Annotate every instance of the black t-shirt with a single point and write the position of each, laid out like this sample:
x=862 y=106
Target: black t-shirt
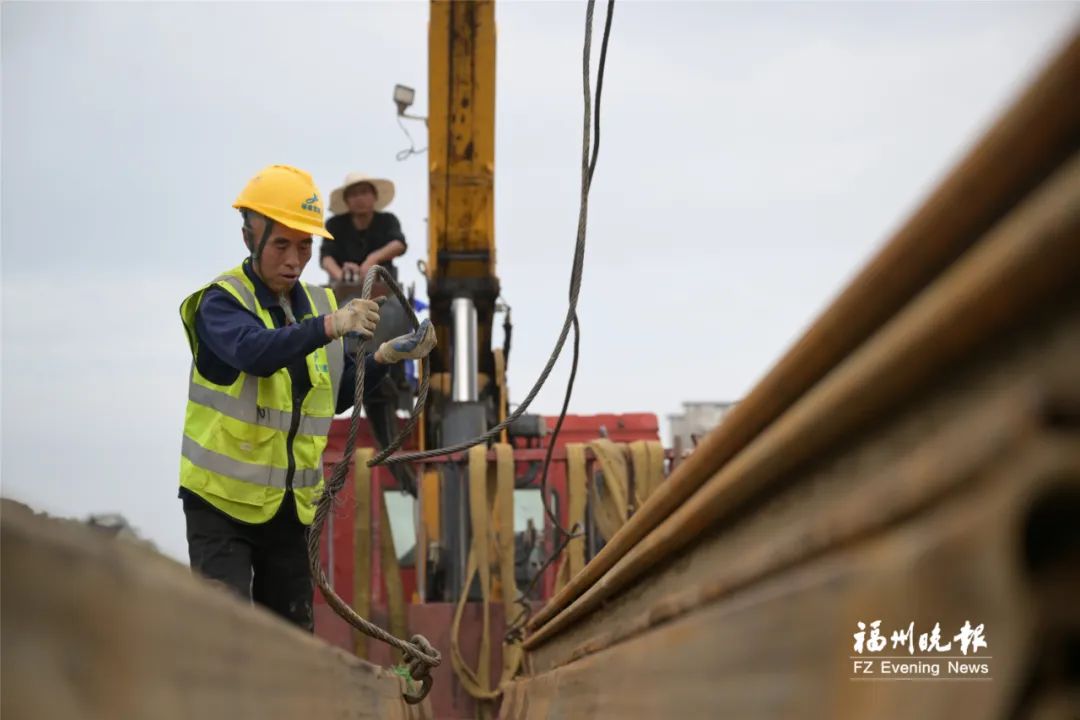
x=352 y=245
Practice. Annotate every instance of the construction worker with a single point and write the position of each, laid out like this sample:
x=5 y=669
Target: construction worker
x=364 y=236
x=268 y=374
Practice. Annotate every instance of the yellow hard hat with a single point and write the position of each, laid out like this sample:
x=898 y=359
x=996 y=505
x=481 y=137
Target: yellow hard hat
x=287 y=195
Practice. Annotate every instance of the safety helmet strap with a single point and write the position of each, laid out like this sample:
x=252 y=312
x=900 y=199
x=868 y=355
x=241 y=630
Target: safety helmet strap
x=249 y=234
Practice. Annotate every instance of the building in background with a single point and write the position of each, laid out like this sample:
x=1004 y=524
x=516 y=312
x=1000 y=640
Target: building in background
x=693 y=423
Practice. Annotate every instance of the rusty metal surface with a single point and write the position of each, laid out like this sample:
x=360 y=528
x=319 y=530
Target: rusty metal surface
x=931 y=477
x=783 y=648
x=889 y=474
x=1016 y=154
x=98 y=629
x=1029 y=261
x=964 y=506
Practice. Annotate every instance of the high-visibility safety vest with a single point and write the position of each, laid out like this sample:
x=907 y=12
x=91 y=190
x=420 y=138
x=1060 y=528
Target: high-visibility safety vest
x=245 y=444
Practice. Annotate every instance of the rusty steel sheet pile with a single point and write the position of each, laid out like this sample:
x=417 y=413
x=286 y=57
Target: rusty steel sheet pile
x=887 y=526
x=97 y=628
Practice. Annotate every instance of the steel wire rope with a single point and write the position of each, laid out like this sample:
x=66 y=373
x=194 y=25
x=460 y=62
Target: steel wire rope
x=418 y=653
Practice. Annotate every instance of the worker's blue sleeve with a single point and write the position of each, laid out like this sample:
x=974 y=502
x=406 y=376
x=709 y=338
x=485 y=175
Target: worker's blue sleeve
x=240 y=340
x=234 y=340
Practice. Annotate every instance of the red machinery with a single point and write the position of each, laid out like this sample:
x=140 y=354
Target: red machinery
x=432 y=619
x=468 y=397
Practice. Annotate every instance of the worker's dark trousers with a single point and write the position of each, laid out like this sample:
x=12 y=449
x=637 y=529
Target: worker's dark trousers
x=266 y=563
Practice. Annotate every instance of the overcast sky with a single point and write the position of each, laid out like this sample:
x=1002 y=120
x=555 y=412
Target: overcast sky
x=753 y=157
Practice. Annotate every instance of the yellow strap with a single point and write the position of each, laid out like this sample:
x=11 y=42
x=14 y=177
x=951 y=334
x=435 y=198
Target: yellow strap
x=574 y=555
x=504 y=523
x=391 y=570
x=395 y=589
x=361 y=543
x=429 y=524
x=500 y=383
x=476 y=682
x=648 y=459
x=656 y=464
x=504 y=463
x=480 y=496
x=610 y=499
x=486 y=502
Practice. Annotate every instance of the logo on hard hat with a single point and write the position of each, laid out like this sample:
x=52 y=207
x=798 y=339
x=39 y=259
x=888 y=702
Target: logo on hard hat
x=311 y=204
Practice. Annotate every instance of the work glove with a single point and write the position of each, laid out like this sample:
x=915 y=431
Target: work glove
x=416 y=344
x=356 y=316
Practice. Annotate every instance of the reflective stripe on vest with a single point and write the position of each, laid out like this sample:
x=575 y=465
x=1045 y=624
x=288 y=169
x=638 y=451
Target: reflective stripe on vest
x=248 y=472
x=241 y=289
x=246 y=409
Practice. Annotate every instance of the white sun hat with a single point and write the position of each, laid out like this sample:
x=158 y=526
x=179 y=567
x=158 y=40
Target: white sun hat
x=384 y=191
